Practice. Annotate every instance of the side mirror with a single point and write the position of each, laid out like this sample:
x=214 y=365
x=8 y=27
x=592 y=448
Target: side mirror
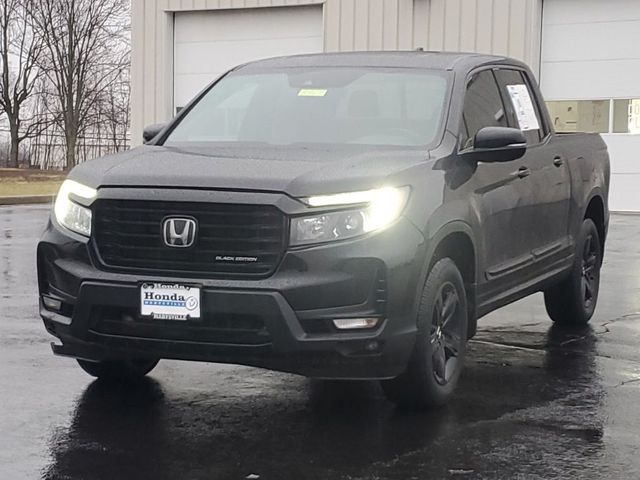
x=497 y=144
x=151 y=131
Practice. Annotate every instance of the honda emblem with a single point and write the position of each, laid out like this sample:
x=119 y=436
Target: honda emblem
x=179 y=232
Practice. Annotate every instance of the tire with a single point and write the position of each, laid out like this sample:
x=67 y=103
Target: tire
x=573 y=301
x=437 y=359
x=119 y=370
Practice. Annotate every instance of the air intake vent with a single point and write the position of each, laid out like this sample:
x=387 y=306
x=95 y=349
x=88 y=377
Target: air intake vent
x=381 y=292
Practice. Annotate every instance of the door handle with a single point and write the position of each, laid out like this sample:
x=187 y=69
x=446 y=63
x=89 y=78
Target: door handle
x=523 y=172
x=558 y=161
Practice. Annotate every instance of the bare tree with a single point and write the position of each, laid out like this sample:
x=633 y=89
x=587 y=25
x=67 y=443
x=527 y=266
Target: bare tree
x=20 y=51
x=115 y=110
x=115 y=115
x=110 y=112
x=83 y=41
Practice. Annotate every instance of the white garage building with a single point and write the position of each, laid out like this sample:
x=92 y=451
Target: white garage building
x=586 y=53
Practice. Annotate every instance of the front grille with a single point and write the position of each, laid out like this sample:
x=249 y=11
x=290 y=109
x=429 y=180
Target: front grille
x=128 y=235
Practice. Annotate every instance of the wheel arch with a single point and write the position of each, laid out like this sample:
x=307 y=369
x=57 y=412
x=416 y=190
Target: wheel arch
x=455 y=240
x=596 y=211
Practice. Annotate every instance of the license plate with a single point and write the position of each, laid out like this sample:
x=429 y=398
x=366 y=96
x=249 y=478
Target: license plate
x=169 y=301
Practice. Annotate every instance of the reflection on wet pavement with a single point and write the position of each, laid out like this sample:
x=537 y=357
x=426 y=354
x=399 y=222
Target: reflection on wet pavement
x=535 y=401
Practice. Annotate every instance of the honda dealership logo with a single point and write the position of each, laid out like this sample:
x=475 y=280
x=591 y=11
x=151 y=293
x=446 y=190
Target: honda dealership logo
x=179 y=232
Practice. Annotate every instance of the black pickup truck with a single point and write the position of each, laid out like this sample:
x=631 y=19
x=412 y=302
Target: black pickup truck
x=339 y=216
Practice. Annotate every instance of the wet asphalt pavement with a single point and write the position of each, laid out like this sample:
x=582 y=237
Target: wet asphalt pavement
x=535 y=401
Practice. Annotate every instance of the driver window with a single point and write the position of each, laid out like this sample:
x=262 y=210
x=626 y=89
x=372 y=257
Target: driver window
x=482 y=107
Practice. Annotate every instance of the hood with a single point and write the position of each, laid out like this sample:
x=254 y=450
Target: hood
x=297 y=171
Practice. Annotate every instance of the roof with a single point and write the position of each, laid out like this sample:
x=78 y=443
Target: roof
x=397 y=59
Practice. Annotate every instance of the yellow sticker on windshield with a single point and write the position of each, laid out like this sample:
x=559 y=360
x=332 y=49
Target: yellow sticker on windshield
x=312 y=92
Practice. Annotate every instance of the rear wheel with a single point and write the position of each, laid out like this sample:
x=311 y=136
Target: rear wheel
x=130 y=369
x=573 y=301
x=436 y=363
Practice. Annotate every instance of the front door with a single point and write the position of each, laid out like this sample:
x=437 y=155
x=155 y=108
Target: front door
x=500 y=193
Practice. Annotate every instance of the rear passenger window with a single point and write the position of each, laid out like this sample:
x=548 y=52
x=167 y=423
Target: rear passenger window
x=521 y=105
x=482 y=107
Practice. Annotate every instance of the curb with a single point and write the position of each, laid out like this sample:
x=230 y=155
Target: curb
x=27 y=200
x=624 y=213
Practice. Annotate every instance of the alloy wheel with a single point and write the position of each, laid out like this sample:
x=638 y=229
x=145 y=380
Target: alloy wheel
x=446 y=333
x=590 y=271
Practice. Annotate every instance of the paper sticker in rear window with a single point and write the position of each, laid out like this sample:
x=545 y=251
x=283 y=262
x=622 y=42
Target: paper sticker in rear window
x=523 y=105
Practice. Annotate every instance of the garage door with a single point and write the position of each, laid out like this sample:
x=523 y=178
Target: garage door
x=589 y=73
x=208 y=43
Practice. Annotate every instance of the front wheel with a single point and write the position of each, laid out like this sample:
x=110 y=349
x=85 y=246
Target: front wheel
x=130 y=369
x=573 y=301
x=436 y=363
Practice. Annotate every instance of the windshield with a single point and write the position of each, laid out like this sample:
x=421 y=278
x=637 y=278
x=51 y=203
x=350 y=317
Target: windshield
x=360 y=106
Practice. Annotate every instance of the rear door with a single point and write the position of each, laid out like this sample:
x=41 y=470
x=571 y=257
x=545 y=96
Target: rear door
x=548 y=213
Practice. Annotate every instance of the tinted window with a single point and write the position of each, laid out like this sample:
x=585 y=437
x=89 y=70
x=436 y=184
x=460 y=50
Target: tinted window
x=482 y=106
x=364 y=106
x=510 y=78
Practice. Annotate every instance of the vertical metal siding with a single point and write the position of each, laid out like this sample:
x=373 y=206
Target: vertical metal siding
x=149 y=59
x=468 y=19
x=420 y=34
x=375 y=26
x=361 y=27
x=138 y=77
x=504 y=27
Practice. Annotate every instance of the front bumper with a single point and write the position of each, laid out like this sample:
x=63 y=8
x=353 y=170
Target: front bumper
x=281 y=323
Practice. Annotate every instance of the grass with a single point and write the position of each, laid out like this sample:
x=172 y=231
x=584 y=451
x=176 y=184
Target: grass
x=17 y=182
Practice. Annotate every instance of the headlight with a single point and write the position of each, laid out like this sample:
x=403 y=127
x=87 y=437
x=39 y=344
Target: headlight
x=68 y=213
x=378 y=209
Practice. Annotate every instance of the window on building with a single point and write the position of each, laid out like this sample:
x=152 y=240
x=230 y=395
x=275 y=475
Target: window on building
x=482 y=106
x=626 y=116
x=580 y=115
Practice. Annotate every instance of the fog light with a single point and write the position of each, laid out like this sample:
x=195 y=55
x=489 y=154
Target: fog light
x=52 y=304
x=371 y=346
x=353 y=323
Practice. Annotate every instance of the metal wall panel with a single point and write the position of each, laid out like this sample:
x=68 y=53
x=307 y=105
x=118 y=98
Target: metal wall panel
x=505 y=27
x=208 y=43
x=501 y=27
